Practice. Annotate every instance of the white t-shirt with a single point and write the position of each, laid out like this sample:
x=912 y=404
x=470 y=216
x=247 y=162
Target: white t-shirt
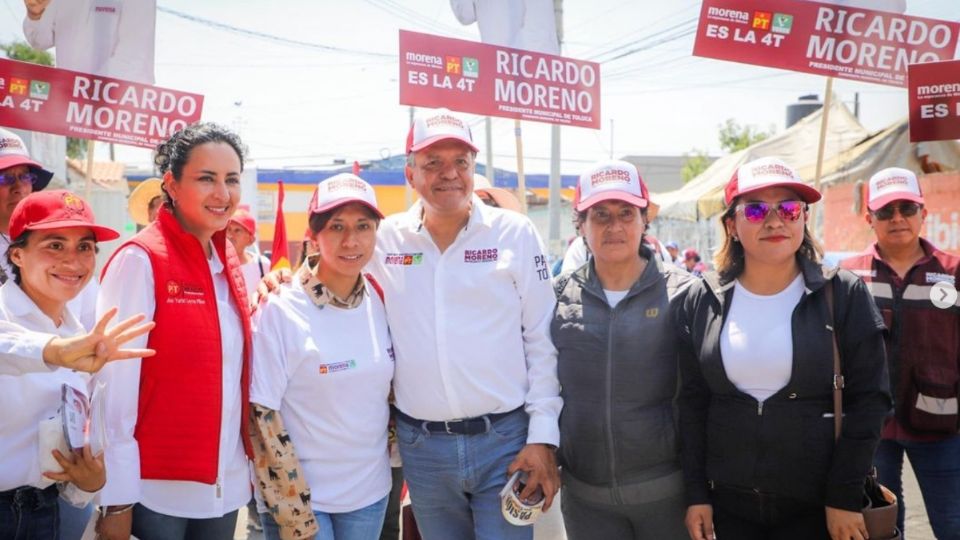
x=252 y=272
x=614 y=297
x=328 y=371
x=756 y=342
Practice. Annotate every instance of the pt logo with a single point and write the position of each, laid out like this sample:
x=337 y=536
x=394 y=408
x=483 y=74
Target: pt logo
x=761 y=20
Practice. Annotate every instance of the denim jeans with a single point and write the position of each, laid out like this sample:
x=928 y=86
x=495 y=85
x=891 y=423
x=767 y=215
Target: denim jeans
x=150 y=525
x=73 y=520
x=937 y=467
x=455 y=480
x=28 y=513
x=362 y=524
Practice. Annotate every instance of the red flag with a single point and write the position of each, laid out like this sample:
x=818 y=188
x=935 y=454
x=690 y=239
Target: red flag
x=356 y=168
x=279 y=256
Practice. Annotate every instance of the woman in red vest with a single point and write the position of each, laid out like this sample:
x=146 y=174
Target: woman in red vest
x=177 y=444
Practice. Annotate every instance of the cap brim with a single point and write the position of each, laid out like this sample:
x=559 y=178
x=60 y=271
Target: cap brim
x=437 y=138
x=806 y=193
x=887 y=199
x=639 y=202
x=503 y=198
x=343 y=202
x=101 y=233
x=43 y=176
x=138 y=204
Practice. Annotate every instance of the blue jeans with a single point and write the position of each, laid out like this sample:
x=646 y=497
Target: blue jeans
x=937 y=466
x=150 y=525
x=28 y=513
x=455 y=480
x=362 y=524
x=73 y=520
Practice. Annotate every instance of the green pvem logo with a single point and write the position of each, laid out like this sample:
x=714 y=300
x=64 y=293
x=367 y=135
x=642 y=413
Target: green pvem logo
x=39 y=90
x=471 y=67
x=782 y=23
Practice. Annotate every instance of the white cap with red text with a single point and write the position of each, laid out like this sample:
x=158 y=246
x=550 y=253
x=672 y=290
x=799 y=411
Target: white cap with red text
x=611 y=180
x=519 y=511
x=437 y=125
x=893 y=184
x=342 y=189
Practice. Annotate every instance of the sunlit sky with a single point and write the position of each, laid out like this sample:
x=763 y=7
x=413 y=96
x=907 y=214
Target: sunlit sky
x=300 y=106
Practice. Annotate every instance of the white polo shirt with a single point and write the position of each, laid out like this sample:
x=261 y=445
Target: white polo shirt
x=29 y=398
x=327 y=371
x=471 y=326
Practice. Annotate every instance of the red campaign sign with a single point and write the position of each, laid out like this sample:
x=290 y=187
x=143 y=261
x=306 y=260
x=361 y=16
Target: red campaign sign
x=824 y=39
x=41 y=98
x=935 y=101
x=498 y=81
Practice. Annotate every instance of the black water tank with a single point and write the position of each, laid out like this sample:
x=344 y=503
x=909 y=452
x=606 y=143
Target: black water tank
x=804 y=106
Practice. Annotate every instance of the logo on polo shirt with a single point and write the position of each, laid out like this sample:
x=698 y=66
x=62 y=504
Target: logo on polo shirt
x=403 y=259
x=935 y=277
x=337 y=366
x=480 y=255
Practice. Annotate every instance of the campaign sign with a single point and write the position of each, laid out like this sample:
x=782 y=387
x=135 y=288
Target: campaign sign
x=75 y=104
x=824 y=39
x=935 y=101
x=498 y=81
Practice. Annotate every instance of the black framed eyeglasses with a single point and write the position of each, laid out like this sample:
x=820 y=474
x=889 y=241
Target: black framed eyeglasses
x=906 y=209
x=8 y=179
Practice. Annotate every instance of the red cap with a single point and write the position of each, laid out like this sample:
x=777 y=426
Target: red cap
x=690 y=253
x=57 y=209
x=244 y=219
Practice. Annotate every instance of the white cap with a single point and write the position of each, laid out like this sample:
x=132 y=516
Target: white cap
x=342 y=189
x=893 y=184
x=613 y=180
x=13 y=152
x=434 y=126
x=514 y=509
x=767 y=172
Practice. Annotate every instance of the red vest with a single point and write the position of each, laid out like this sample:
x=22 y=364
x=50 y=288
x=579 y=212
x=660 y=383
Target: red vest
x=178 y=422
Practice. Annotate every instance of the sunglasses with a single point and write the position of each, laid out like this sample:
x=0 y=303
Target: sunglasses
x=756 y=212
x=9 y=179
x=906 y=209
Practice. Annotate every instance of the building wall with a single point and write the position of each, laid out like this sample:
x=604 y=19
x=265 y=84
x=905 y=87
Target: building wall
x=846 y=230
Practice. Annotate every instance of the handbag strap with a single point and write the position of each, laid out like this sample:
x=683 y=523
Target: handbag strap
x=837 y=370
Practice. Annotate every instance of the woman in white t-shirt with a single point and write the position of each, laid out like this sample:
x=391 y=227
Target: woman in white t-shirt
x=242 y=232
x=323 y=364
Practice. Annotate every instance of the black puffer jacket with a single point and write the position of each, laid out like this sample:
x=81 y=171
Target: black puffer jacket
x=784 y=446
x=618 y=372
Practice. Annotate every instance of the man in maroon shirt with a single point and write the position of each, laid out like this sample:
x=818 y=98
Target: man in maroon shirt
x=914 y=285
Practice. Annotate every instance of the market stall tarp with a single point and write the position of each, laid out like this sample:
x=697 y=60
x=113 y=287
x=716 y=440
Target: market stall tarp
x=890 y=147
x=702 y=197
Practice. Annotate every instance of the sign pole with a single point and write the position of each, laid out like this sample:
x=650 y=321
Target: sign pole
x=491 y=172
x=88 y=183
x=824 y=120
x=407 y=188
x=521 y=181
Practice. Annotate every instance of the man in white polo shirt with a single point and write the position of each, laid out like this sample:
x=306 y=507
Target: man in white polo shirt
x=469 y=301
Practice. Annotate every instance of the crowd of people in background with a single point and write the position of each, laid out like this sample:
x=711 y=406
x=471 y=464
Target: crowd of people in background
x=667 y=397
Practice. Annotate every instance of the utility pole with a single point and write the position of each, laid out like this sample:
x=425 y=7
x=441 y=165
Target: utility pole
x=554 y=244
